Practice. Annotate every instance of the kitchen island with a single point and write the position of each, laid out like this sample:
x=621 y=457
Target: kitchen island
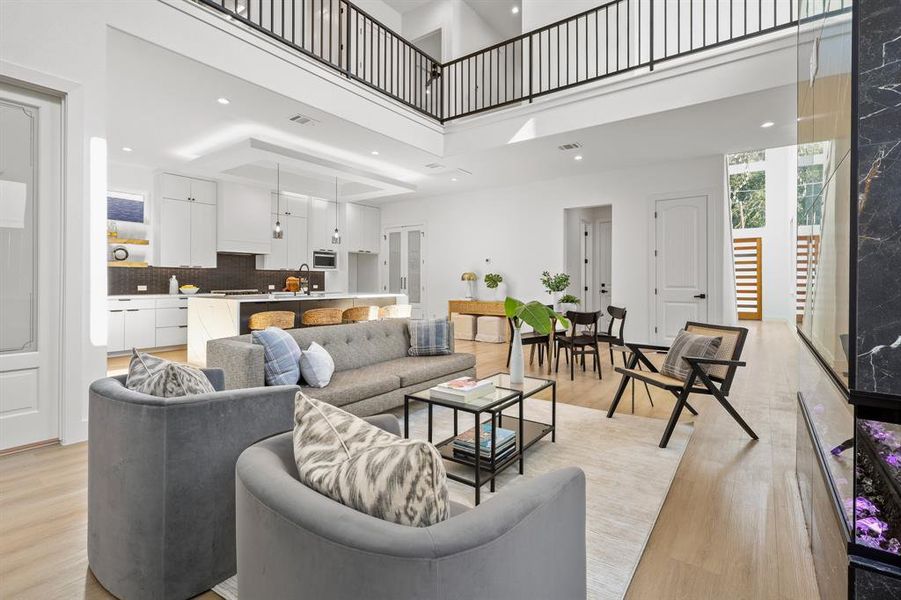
x=212 y=317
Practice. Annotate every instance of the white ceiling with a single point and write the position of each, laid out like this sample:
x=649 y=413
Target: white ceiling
x=164 y=106
x=403 y=6
x=497 y=13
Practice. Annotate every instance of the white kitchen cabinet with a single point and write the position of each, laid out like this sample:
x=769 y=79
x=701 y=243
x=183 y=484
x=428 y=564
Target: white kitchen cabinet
x=203 y=191
x=203 y=235
x=277 y=258
x=292 y=250
x=115 y=330
x=363 y=228
x=140 y=327
x=172 y=317
x=186 y=235
x=291 y=205
x=188 y=189
x=322 y=224
x=243 y=219
x=171 y=336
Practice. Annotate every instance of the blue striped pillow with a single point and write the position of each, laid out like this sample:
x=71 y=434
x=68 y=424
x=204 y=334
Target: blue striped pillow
x=281 y=356
x=429 y=337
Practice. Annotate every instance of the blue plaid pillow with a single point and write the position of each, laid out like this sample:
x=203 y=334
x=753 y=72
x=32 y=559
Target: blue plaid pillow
x=429 y=337
x=281 y=355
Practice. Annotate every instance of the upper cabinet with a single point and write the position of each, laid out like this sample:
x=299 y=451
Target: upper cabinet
x=322 y=224
x=289 y=252
x=291 y=205
x=186 y=222
x=244 y=219
x=363 y=227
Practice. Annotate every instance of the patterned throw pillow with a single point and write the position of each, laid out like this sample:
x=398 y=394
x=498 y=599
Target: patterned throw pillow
x=317 y=366
x=688 y=344
x=281 y=356
x=429 y=337
x=165 y=379
x=370 y=470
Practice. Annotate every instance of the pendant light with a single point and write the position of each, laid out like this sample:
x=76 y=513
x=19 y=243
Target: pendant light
x=336 y=237
x=277 y=232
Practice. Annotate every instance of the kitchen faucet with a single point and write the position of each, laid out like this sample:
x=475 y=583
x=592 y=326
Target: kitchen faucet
x=300 y=276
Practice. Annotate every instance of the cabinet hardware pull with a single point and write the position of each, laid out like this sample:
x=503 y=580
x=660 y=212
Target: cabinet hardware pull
x=182 y=308
x=132 y=309
x=117 y=310
x=182 y=326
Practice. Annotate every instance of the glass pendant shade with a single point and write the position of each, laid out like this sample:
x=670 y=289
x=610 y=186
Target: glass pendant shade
x=277 y=233
x=336 y=237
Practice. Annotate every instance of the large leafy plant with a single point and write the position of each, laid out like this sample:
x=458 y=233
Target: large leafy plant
x=534 y=314
x=492 y=280
x=554 y=283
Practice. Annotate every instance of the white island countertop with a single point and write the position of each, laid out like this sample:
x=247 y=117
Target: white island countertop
x=289 y=297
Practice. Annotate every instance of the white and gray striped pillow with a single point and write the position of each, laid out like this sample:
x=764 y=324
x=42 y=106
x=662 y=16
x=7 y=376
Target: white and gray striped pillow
x=159 y=377
x=688 y=344
x=370 y=470
x=429 y=337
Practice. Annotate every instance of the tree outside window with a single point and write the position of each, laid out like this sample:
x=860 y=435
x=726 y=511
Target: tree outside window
x=747 y=190
x=810 y=184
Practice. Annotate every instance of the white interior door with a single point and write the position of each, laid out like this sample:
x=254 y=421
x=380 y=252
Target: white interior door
x=681 y=264
x=603 y=242
x=30 y=206
x=404 y=264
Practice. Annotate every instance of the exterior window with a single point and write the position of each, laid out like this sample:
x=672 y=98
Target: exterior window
x=747 y=189
x=810 y=183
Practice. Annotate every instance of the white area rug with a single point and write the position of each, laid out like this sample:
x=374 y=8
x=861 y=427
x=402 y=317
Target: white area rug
x=627 y=475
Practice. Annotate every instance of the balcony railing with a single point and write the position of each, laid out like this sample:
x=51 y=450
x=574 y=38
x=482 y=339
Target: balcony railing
x=612 y=39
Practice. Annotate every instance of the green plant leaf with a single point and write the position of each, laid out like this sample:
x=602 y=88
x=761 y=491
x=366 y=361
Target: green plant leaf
x=511 y=307
x=537 y=316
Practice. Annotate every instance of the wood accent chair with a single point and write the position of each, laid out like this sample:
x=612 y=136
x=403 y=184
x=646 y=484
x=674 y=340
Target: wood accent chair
x=617 y=315
x=358 y=314
x=396 y=311
x=714 y=374
x=580 y=344
x=283 y=319
x=533 y=339
x=321 y=316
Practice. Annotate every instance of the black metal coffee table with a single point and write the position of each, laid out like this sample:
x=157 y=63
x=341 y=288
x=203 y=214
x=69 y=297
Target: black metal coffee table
x=505 y=396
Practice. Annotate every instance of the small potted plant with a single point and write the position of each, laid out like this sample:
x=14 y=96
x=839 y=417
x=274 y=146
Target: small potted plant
x=493 y=282
x=569 y=302
x=470 y=279
x=539 y=317
x=555 y=285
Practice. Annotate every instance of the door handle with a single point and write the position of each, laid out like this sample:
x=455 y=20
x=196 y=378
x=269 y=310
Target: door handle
x=701 y=296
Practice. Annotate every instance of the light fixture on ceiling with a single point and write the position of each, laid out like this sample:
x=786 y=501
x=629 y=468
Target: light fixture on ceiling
x=453 y=179
x=577 y=157
x=767 y=124
x=126 y=149
x=336 y=237
x=375 y=152
x=222 y=100
x=277 y=232
x=515 y=10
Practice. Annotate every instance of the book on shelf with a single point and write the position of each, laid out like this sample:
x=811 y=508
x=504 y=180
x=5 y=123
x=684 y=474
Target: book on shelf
x=462 y=389
x=504 y=439
x=485 y=461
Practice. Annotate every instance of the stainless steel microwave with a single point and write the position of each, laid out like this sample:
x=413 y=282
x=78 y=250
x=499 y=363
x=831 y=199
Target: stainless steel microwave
x=324 y=260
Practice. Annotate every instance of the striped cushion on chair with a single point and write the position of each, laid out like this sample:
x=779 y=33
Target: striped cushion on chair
x=688 y=344
x=429 y=337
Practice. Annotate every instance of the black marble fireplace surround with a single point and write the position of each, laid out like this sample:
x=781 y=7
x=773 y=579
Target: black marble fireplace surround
x=233 y=272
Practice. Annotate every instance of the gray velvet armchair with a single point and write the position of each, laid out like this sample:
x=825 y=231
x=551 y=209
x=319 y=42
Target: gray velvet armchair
x=528 y=542
x=161 y=483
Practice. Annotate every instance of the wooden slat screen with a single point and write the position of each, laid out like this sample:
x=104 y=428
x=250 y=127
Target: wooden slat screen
x=747 y=255
x=808 y=249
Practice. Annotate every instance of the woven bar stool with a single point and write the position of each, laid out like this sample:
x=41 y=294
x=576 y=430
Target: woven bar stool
x=396 y=311
x=358 y=314
x=321 y=316
x=282 y=319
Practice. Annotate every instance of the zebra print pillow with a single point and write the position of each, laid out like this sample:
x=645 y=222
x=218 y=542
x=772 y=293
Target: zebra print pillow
x=159 y=377
x=359 y=465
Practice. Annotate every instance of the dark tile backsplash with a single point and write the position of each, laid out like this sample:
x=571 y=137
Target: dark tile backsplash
x=235 y=272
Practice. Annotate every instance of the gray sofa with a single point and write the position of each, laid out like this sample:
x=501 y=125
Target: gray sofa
x=161 y=483
x=527 y=543
x=372 y=368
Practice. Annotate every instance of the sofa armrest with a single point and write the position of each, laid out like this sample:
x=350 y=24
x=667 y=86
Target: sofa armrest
x=385 y=422
x=241 y=362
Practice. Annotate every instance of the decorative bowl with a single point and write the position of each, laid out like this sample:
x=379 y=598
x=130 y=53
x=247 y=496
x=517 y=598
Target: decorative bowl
x=189 y=290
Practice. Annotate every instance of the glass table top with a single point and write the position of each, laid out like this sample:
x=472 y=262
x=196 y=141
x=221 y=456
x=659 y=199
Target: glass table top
x=529 y=386
x=498 y=397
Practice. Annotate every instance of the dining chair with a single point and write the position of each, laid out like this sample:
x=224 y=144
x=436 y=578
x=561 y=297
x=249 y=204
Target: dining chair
x=614 y=335
x=283 y=319
x=580 y=343
x=533 y=339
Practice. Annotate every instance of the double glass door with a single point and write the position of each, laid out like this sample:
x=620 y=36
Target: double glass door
x=404 y=264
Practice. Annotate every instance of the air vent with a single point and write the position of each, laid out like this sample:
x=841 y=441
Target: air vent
x=464 y=172
x=304 y=120
x=434 y=166
x=572 y=146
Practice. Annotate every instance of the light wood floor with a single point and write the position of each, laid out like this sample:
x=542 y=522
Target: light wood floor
x=731 y=526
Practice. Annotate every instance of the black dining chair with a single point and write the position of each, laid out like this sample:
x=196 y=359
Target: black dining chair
x=614 y=335
x=579 y=343
x=533 y=339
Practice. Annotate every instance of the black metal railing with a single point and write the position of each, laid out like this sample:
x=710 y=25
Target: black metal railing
x=612 y=39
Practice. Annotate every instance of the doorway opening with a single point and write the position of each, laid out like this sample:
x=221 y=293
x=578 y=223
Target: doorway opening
x=588 y=250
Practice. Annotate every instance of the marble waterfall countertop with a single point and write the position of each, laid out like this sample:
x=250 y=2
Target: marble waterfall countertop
x=290 y=297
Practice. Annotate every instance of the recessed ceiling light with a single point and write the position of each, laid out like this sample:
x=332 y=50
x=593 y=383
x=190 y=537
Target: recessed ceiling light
x=375 y=153
x=767 y=124
x=222 y=100
x=453 y=179
x=577 y=157
x=126 y=149
x=241 y=8
x=515 y=10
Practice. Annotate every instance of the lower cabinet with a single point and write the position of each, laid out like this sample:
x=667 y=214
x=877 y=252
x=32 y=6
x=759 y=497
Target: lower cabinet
x=135 y=322
x=140 y=328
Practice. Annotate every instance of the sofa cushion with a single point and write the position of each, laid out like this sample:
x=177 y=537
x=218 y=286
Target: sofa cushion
x=365 y=468
x=281 y=356
x=356 y=345
x=351 y=386
x=159 y=377
x=316 y=366
x=418 y=369
x=429 y=337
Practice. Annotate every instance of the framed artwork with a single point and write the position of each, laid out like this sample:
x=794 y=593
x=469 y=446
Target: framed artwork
x=124 y=206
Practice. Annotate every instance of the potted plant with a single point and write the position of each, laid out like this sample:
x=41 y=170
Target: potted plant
x=555 y=285
x=569 y=302
x=493 y=282
x=470 y=278
x=535 y=314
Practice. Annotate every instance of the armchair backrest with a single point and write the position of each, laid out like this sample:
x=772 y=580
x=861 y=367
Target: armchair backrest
x=731 y=346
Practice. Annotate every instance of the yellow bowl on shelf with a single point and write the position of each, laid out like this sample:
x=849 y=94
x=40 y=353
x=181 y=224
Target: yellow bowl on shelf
x=189 y=289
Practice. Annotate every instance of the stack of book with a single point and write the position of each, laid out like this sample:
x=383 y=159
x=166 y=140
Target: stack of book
x=462 y=389
x=465 y=446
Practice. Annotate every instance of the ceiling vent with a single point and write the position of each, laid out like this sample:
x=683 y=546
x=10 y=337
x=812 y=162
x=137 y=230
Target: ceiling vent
x=304 y=120
x=434 y=166
x=572 y=146
x=464 y=172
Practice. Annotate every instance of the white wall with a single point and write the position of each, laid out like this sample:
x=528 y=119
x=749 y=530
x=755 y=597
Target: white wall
x=462 y=29
x=521 y=230
x=382 y=12
x=537 y=13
